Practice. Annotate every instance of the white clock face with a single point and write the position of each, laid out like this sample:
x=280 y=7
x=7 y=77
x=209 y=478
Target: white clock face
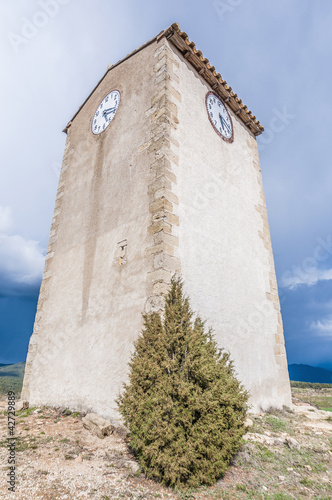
x=105 y=112
x=219 y=116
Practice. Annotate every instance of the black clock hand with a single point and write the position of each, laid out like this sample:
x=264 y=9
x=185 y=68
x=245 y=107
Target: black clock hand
x=224 y=124
x=108 y=111
x=220 y=117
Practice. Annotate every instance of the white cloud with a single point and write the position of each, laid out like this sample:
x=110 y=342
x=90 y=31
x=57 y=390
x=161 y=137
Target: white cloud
x=21 y=260
x=322 y=327
x=299 y=277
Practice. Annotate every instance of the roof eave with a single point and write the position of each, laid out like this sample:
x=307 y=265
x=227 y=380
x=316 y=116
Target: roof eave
x=195 y=57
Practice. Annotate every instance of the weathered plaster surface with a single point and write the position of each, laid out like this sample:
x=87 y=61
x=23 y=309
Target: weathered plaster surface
x=224 y=244
x=93 y=303
x=158 y=192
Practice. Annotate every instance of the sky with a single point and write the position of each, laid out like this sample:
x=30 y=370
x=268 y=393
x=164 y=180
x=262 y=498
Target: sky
x=275 y=55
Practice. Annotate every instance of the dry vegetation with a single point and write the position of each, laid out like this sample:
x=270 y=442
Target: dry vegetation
x=57 y=458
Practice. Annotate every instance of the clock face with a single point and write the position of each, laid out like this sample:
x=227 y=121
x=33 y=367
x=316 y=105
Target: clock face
x=105 y=112
x=219 y=116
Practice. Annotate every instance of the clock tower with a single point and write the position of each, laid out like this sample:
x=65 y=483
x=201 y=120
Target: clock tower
x=160 y=175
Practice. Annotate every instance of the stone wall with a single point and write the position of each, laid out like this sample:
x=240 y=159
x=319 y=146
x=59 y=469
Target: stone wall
x=163 y=150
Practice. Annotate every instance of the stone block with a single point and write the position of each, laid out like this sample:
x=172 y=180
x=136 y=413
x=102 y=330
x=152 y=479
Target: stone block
x=159 y=171
x=59 y=195
x=161 y=183
x=160 y=247
x=97 y=425
x=278 y=350
x=166 y=216
x=169 y=239
x=155 y=303
x=162 y=77
x=165 y=193
x=279 y=360
x=160 y=225
x=167 y=262
x=161 y=62
x=159 y=275
x=160 y=204
x=175 y=93
x=162 y=49
x=162 y=69
x=53 y=239
x=160 y=288
x=164 y=111
x=279 y=338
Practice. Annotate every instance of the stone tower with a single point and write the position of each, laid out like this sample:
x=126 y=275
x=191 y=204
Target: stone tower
x=160 y=174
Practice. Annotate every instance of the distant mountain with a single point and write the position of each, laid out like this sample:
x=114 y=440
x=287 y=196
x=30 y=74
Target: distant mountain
x=307 y=373
x=16 y=370
x=11 y=379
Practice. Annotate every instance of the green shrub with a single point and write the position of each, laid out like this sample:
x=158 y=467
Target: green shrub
x=183 y=405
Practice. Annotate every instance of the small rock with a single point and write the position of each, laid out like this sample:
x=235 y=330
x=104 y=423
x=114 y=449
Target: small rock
x=248 y=423
x=21 y=405
x=282 y=478
x=264 y=488
x=78 y=459
x=279 y=442
x=308 y=467
x=290 y=469
x=97 y=425
x=262 y=439
x=292 y=443
x=133 y=466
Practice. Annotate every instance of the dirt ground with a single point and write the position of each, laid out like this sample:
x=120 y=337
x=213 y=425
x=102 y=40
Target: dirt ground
x=285 y=455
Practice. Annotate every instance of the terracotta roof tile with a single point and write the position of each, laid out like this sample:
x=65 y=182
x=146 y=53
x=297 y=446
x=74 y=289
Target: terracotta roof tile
x=188 y=48
x=181 y=41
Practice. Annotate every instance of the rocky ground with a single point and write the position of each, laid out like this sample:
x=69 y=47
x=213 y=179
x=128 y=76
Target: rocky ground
x=285 y=455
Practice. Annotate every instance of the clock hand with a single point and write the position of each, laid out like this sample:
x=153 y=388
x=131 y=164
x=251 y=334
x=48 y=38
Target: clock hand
x=106 y=112
x=109 y=110
x=224 y=124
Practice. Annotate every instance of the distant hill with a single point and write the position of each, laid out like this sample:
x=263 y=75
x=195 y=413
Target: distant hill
x=16 y=370
x=11 y=378
x=307 y=373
